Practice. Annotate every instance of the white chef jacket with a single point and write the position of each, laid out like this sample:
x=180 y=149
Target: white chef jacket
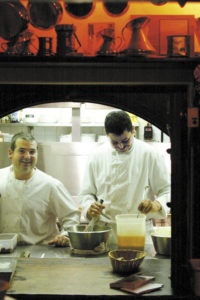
x=123 y=180
x=30 y=207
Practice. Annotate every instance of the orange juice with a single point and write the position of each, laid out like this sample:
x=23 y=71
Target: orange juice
x=134 y=242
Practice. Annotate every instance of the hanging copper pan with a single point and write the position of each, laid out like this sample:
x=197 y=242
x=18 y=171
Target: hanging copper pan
x=44 y=15
x=13 y=19
x=79 y=10
x=115 y=8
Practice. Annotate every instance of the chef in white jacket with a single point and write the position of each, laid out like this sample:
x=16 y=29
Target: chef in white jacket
x=31 y=201
x=128 y=174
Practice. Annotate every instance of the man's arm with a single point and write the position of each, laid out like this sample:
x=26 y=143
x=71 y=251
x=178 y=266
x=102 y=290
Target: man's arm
x=88 y=190
x=67 y=212
x=160 y=184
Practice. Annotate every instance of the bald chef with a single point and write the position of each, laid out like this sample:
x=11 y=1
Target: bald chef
x=31 y=201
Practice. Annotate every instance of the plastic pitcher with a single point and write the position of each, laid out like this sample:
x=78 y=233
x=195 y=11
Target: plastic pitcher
x=131 y=231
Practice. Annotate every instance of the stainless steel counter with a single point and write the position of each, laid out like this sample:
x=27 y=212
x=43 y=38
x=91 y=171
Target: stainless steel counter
x=55 y=271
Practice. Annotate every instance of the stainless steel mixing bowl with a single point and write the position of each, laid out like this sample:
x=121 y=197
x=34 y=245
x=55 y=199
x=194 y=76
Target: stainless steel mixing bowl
x=83 y=240
x=162 y=240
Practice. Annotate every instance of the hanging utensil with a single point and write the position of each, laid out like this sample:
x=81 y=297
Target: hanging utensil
x=79 y=10
x=44 y=15
x=13 y=19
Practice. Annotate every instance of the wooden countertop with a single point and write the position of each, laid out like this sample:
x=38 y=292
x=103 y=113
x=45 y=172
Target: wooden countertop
x=55 y=271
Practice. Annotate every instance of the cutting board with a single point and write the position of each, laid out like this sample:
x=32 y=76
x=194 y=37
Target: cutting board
x=60 y=276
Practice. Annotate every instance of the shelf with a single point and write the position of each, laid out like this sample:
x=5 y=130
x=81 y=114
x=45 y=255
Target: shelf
x=37 y=124
x=53 y=124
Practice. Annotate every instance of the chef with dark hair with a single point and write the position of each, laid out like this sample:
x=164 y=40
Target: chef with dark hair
x=128 y=174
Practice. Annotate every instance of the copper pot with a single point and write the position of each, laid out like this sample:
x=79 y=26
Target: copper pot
x=13 y=19
x=115 y=8
x=79 y=10
x=44 y=15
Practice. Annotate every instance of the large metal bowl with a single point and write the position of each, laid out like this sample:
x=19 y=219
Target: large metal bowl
x=162 y=240
x=83 y=240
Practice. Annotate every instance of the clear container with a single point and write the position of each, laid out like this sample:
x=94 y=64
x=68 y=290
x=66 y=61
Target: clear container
x=131 y=231
x=8 y=242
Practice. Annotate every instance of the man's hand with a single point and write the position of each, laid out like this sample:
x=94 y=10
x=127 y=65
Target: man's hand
x=61 y=241
x=95 y=210
x=147 y=206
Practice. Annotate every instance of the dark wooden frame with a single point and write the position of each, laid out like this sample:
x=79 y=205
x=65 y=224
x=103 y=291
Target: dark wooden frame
x=159 y=90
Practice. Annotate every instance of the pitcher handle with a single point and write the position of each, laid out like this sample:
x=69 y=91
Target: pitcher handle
x=120 y=42
x=77 y=40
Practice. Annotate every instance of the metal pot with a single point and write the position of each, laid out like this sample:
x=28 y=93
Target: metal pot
x=79 y=10
x=162 y=240
x=44 y=15
x=13 y=19
x=83 y=240
x=115 y=8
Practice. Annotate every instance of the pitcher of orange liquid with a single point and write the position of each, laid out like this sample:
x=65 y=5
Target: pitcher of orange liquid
x=131 y=231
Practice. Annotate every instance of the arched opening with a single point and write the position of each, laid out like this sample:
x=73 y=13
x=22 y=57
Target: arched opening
x=158 y=104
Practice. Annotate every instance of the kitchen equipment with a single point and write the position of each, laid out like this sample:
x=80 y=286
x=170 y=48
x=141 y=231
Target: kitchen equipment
x=7 y=268
x=131 y=231
x=115 y=8
x=19 y=45
x=45 y=46
x=44 y=15
x=178 y=45
x=138 y=43
x=30 y=118
x=161 y=237
x=66 y=39
x=108 y=46
x=80 y=239
x=79 y=10
x=126 y=261
x=8 y=242
x=148 y=132
x=13 y=19
x=92 y=221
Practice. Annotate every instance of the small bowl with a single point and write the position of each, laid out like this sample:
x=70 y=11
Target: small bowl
x=126 y=261
x=161 y=238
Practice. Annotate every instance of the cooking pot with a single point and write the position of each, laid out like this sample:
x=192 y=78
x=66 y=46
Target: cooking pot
x=13 y=19
x=44 y=15
x=79 y=10
x=83 y=240
x=115 y=8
